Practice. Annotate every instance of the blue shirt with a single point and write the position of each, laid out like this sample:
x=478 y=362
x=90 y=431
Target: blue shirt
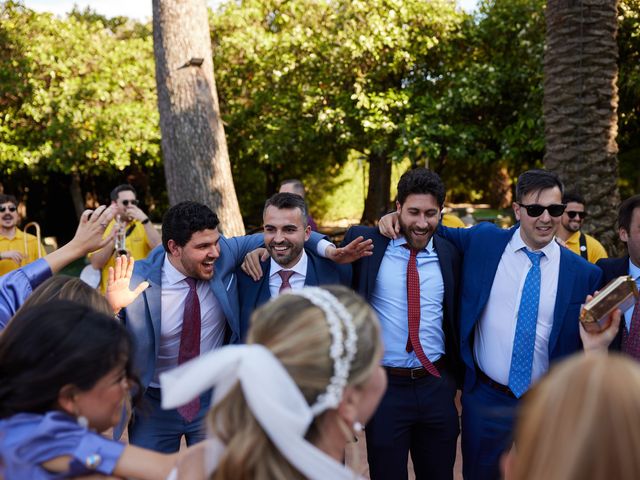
x=389 y=300
x=17 y=285
x=28 y=439
x=634 y=272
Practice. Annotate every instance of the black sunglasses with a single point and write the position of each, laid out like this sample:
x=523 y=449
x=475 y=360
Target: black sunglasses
x=572 y=214
x=535 y=210
x=127 y=202
x=4 y=209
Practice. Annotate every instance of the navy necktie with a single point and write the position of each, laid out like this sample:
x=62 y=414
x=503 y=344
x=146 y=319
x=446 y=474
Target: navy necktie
x=525 y=337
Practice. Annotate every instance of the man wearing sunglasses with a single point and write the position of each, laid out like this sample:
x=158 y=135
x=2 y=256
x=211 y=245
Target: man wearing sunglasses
x=12 y=239
x=140 y=235
x=519 y=309
x=569 y=229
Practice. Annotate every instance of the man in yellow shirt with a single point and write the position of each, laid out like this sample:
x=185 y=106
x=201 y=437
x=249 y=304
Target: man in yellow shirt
x=140 y=236
x=12 y=239
x=569 y=230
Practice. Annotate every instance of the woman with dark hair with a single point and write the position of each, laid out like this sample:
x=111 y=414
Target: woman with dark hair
x=66 y=372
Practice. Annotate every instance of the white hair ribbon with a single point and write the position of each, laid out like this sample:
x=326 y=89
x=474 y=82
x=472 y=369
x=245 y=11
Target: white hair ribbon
x=272 y=395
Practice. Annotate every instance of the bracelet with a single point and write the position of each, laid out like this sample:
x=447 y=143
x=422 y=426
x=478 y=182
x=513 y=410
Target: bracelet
x=145 y=221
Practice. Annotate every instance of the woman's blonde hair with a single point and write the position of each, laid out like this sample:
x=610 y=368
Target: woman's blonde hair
x=580 y=423
x=64 y=287
x=297 y=333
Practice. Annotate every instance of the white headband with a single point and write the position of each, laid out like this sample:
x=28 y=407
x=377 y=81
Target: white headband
x=271 y=394
x=343 y=348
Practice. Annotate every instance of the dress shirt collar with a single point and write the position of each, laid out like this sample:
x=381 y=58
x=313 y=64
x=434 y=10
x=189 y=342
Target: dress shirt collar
x=400 y=241
x=634 y=270
x=172 y=274
x=300 y=267
x=551 y=250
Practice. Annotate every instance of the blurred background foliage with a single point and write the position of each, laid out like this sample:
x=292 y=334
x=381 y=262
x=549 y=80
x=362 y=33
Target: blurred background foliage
x=339 y=93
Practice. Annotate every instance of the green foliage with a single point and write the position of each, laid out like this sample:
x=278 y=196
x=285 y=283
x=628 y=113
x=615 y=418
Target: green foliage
x=76 y=95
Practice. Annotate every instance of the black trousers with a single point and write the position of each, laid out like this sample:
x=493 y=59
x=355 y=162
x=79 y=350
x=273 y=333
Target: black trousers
x=417 y=416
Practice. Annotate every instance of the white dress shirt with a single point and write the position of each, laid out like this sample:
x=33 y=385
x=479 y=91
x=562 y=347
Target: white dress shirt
x=496 y=328
x=174 y=293
x=296 y=280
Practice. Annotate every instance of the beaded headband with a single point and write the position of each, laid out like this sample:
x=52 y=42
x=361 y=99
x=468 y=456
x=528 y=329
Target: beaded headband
x=343 y=345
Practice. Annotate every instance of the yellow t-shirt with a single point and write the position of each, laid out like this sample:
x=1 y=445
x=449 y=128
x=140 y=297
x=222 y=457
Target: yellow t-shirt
x=451 y=220
x=136 y=243
x=17 y=243
x=595 y=250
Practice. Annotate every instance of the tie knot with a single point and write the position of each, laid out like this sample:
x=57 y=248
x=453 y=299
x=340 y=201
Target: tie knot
x=534 y=257
x=191 y=282
x=413 y=251
x=285 y=275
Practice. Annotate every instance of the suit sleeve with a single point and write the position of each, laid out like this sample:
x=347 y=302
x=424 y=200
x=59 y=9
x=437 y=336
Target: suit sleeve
x=240 y=246
x=459 y=237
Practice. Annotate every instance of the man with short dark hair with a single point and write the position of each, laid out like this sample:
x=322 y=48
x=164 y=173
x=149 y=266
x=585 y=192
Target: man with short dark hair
x=411 y=284
x=290 y=265
x=519 y=310
x=569 y=229
x=13 y=240
x=293 y=185
x=140 y=236
x=629 y=232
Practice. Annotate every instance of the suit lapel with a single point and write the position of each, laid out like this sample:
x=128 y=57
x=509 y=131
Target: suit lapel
x=311 y=280
x=379 y=248
x=264 y=293
x=221 y=295
x=153 y=296
x=566 y=277
x=444 y=259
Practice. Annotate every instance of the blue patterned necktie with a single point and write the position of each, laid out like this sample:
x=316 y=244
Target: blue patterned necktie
x=525 y=338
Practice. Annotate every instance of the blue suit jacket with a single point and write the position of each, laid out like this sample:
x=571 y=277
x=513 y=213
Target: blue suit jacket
x=366 y=270
x=482 y=247
x=320 y=271
x=613 y=268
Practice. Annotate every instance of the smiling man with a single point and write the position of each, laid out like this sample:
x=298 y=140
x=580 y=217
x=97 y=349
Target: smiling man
x=569 y=230
x=411 y=284
x=519 y=309
x=13 y=240
x=290 y=265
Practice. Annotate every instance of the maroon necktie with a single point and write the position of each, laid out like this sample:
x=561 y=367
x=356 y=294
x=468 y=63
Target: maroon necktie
x=413 y=307
x=631 y=338
x=285 y=275
x=190 y=342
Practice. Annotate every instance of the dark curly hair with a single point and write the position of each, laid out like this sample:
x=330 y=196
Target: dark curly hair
x=183 y=220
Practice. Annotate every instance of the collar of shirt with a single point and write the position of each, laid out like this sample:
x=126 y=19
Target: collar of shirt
x=400 y=241
x=18 y=235
x=172 y=274
x=634 y=271
x=300 y=267
x=551 y=250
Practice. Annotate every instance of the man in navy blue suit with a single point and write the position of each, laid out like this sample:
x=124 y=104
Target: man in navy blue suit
x=629 y=231
x=290 y=265
x=411 y=284
x=520 y=301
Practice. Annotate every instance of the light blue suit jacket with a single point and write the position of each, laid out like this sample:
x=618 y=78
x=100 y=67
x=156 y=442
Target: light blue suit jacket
x=482 y=247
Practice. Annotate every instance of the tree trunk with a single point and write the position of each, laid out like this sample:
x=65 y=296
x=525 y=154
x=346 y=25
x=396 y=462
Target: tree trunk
x=194 y=149
x=580 y=106
x=377 y=202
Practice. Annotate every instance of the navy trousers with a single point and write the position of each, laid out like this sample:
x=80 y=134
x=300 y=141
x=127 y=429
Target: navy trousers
x=162 y=430
x=417 y=416
x=488 y=416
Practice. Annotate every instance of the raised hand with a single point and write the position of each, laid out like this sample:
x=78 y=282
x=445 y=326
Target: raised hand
x=251 y=264
x=118 y=293
x=355 y=250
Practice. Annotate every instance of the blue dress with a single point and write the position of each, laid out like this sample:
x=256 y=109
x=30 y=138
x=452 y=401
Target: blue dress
x=27 y=440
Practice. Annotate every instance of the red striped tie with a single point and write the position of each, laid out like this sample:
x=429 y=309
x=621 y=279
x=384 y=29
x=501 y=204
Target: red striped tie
x=413 y=308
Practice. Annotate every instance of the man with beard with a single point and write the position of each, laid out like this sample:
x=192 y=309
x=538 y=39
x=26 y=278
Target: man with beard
x=12 y=239
x=290 y=265
x=569 y=229
x=411 y=284
x=191 y=306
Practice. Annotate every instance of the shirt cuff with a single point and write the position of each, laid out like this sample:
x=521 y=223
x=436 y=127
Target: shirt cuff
x=98 y=454
x=37 y=272
x=322 y=247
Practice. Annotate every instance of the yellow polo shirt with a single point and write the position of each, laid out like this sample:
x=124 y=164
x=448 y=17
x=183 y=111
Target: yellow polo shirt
x=136 y=243
x=451 y=220
x=17 y=243
x=595 y=250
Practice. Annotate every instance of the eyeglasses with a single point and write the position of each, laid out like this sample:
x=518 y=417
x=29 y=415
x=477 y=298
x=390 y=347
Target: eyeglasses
x=4 y=209
x=573 y=214
x=127 y=202
x=535 y=210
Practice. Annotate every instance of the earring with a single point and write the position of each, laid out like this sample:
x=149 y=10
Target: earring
x=82 y=421
x=357 y=427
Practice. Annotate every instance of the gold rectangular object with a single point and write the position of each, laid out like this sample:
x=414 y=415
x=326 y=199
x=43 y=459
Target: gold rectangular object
x=621 y=292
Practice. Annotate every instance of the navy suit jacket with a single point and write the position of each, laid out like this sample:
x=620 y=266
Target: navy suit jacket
x=320 y=271
x=482 y=247
x=613 y=268
x=365 y=271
